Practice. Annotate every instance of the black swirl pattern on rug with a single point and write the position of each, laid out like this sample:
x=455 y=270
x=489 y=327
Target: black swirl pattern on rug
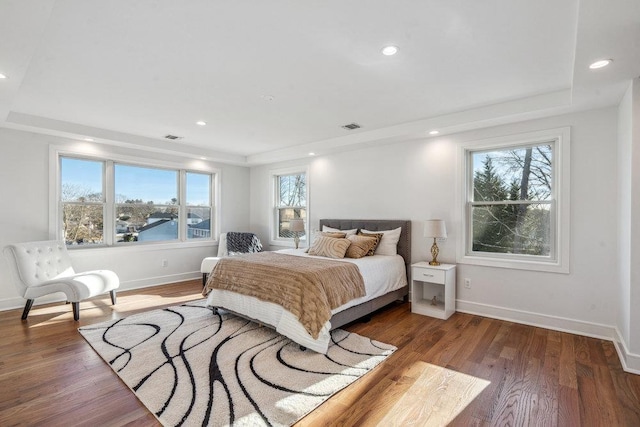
x=191 y=366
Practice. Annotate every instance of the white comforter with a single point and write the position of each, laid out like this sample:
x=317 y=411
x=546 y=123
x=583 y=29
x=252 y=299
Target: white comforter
x=381 y=273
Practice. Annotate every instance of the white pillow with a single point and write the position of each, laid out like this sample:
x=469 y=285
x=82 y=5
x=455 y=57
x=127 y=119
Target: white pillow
x=389 y=243
x=337 y=230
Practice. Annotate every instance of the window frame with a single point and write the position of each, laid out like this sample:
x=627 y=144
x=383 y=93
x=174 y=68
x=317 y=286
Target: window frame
x=275 y=206
x=110 y=206
x=558 y=260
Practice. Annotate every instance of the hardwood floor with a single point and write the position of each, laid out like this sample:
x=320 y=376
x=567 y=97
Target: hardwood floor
x=50 y=376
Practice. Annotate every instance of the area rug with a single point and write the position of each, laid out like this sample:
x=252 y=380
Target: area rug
x=189 y=366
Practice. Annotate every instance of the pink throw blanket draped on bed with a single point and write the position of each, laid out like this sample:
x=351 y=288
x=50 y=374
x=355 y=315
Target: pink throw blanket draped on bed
x=307 y=287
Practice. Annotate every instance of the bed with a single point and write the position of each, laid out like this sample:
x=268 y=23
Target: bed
x=385 y=280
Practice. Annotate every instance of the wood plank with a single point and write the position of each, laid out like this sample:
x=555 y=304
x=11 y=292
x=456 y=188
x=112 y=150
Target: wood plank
x=436 y=397
x=627 y=387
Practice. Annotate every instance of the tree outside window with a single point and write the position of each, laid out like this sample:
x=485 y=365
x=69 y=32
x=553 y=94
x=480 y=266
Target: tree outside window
x=82 y=201
x=512 y=202
x=291 y=203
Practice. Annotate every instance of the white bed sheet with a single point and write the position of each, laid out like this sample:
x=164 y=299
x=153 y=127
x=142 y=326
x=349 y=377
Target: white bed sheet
x=381 y=273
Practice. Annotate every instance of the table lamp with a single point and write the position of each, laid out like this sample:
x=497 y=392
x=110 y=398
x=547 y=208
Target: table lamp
x=435 y=228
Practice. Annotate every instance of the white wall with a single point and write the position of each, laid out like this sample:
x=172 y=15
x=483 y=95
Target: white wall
x=24 y=186
x=416 y=180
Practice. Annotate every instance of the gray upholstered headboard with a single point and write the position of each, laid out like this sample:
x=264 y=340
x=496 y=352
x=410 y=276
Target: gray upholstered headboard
x=404 y=244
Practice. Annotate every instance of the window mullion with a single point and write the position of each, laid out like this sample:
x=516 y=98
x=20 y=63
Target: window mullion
x=109 y=226
x=182 y=208
x=511 y=202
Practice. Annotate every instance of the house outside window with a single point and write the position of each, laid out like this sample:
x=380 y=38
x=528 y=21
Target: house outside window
x=107 y=202
x=147 y=203
x=515 y=207
x=290 y=202
x=198 y=189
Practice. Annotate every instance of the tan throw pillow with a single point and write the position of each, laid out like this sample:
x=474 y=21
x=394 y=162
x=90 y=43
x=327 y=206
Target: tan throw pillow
x=360 y=246
x=333 y=234
x=329 y=247
x=378 y=237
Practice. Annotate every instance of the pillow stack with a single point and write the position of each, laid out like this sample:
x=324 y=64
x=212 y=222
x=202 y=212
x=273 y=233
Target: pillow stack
x=354 y=243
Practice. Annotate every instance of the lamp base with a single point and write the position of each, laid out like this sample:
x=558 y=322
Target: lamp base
x=296 y=240
x=434 y=253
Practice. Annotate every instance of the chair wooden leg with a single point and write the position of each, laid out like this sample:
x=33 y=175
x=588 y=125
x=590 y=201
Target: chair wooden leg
x=27 y=308
x=76 y=310
x=113 y=296
x=204 y=279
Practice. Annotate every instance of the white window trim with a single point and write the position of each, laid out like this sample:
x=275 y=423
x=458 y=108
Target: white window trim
x=55 y=152
x=559 y=262
x=273 y=174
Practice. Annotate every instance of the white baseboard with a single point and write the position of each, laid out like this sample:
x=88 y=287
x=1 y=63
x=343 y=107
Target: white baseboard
x=630 y=362
x=17 y=302
x=555 y=323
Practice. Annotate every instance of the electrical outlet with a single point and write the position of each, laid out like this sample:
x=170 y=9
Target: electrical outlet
x=165 y=263
x=467 y=283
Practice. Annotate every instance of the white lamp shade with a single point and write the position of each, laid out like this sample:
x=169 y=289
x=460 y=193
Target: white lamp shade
x=435 y=228
x=296 y=225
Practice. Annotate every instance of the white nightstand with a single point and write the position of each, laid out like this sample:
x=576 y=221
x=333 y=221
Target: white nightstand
x=428 y=281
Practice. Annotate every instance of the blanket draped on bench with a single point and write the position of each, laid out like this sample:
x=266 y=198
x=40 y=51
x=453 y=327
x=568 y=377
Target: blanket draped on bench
x=309 y=288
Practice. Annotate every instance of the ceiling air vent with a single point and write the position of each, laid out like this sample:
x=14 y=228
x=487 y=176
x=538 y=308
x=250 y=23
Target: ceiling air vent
x=351 y=126
x=172 y=137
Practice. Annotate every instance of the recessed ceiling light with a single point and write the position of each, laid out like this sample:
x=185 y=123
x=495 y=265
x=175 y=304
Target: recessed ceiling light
x=203 y=158
x=89 y=139
x=389 y=50
x=267 y=97
x=434 y=132
x=201 y=123
x=312 y=153
x=600 y=64
x=3 y=76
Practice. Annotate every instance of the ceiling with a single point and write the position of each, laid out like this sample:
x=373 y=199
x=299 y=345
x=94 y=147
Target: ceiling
x=276 y=80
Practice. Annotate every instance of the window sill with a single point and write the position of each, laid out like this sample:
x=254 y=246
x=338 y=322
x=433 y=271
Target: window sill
x=146 y=247
x=549 y=267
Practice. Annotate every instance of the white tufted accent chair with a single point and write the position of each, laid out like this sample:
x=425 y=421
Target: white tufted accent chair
x=209 y=262
x=43 y=268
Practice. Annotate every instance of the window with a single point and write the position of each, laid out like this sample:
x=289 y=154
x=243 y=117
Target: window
x=147 y=203
x=198 y=205
x=515 y=202
x=82 y=200
x=290 y=201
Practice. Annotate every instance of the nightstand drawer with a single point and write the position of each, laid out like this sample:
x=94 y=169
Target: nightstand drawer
x=428 y=275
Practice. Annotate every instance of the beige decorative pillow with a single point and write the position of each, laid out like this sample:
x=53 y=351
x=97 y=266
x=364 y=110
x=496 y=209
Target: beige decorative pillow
x=378 y=237
x=331 y=234
x=329 y=247
x=335 y=235
x=360 y=246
